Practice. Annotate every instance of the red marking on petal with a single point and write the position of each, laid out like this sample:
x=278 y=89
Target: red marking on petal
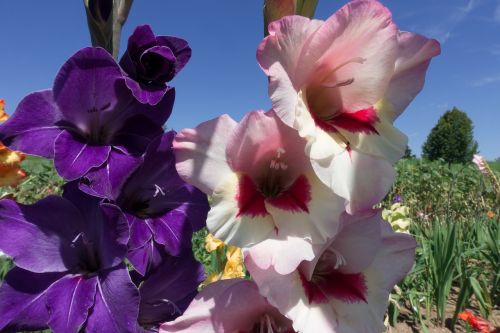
x=295 y=198
x=349 y=151
x=325 y=125
x=250 y=200
x=349 y=288
x=361 y=121
x=312 y=291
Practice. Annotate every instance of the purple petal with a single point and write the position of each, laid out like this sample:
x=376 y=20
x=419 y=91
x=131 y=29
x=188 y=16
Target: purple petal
x=115 y=236
x=69 y=301
x=105 y=229
x=164 y=293
x=157 y=64
x=39 y=237
x=85 y=89
x=172 y=231
x=150 y=94
x=75 y=157
x=179 y=47
x=107 y=180
x=147 y=257
x=32 y=128
x=157 y=183
x=142 y=38
x=195 y=206
x=116 y=305
x=158 y=113
x=136 y=134
x=140 y=231
x=23 y=300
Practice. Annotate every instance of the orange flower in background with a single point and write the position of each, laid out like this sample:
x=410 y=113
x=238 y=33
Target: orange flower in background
x=11 y=173
x=490 y=214
x=478 y=324
x=3 y=115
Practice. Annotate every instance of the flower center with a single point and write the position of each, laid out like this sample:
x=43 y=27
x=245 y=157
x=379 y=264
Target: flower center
x=272 y=184
x=267 y=324
x=327 y=281
x=89 y=260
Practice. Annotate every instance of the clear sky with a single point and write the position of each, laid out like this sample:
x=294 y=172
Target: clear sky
x=223 y=76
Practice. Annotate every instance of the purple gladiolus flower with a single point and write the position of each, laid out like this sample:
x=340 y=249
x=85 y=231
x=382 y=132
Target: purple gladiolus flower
x=89 y=118
x=162 y=209
x=151 y=61
x=168 y=290
x=396 y=199
x=69 y=270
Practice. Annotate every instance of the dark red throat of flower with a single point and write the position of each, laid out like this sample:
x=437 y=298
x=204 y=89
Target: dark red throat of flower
x=251 y=198
x=267 y=324
x=362 y=121
x=349 y=288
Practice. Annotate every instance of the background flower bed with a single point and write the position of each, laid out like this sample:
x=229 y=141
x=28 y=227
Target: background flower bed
x=455 y=219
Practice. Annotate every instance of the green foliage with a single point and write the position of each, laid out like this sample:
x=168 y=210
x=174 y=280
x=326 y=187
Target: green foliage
x=452 y=263
x=451 y=139
x=42 y=180
x=437 y=189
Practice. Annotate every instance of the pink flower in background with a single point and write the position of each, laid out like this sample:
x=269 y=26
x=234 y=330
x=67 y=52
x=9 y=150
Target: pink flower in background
x=342 y=82
x=346 y=287
x=261 y=182
x=479 y=161
x=229 y=306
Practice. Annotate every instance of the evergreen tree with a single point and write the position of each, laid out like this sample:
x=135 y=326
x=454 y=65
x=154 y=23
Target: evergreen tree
x=408 y=153
x=451 y=139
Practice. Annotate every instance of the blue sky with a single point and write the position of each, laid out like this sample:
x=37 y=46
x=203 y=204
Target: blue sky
x=223 y=76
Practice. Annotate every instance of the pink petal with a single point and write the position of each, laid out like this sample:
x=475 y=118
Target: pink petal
x=251 y=202
x=319 y=223
x=286 y=293
x=224 y=306
x=361 y=46
x=392 y=262
x=225 y=222
x=284 y=254
x=257 y=139
x=296 y=198
x=280 y=56
x=359 y=240
x=414 y=56
x=389 y=143
x=361 y=179
x=201 y=153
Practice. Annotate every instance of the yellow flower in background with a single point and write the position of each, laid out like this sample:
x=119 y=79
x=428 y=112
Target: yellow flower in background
x=234 y=264
x=397 y=216
x=212 y=243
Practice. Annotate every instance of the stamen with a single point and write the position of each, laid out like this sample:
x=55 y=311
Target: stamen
x=175 y=308
x=339 y=259
x=341 y=84
x=158 y=190
x=276 y=163
x=80 y=235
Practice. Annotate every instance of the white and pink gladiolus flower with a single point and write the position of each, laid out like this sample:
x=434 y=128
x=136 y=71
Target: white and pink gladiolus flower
x=341 y=83
x=481 y=164
x=229 y=306
x=345 y=288
x=261 y=183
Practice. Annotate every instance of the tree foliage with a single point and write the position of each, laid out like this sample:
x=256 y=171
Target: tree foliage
x=451 y=139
